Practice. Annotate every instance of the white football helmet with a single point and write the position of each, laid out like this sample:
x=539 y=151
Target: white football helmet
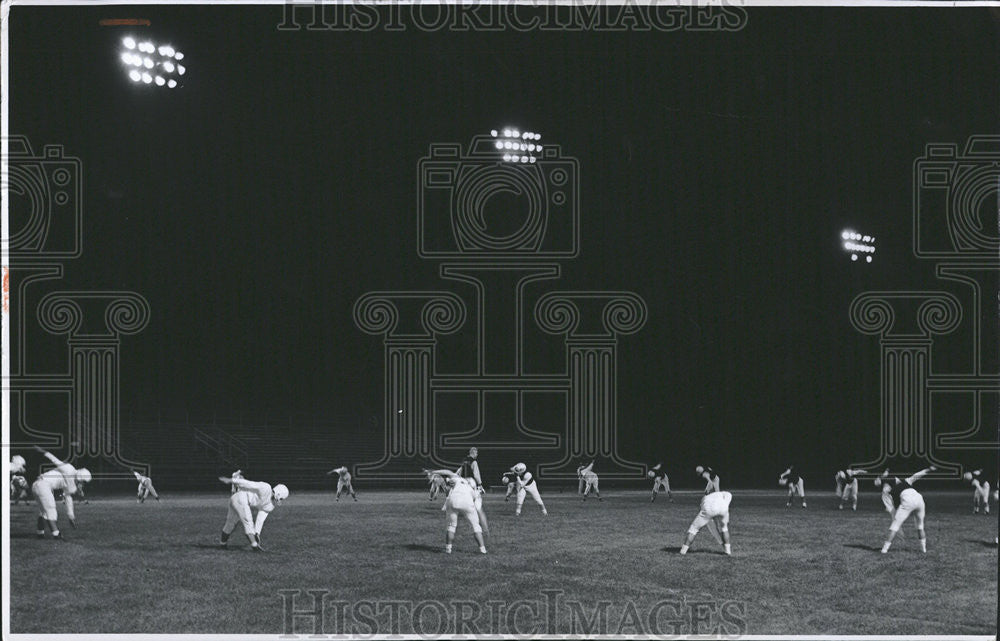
x=83 y=475
x=699 y=470
x=650 y=474
x=280 y=492
x=520 y=468
x=967 y=476
x=17 y=464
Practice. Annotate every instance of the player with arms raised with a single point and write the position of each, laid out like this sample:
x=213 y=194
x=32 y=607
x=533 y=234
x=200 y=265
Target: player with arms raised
x=900 y=500
x=64 y=478
x=249 y=496
x=343 y=481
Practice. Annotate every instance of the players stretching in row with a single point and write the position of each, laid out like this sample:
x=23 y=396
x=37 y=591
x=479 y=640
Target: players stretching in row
x=246 y=497
x=343 y=481
x=660 y=480
x=145 y=488
x=64 y=478
x=526 y=485
x=796 y=486
x=588 y=481
x=847 y=487
x=900 y=500
x=462 y=500
x=714 y=511
x=712 y=480
x=980 y=491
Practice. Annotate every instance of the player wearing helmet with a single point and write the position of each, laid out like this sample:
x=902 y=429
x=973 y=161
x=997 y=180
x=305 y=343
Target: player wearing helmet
x=64 y=478
x=796 y=486
x=526 y=485
x=980 y=491
x=660 y=480
x=900 y=500
x=249 y=496
x=588 y=481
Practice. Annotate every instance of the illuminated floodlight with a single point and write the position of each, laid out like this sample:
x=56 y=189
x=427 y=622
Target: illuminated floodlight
x=147 y=59
x=493 y=132
x=857 y=243
x=516 y=140
x=498 y=145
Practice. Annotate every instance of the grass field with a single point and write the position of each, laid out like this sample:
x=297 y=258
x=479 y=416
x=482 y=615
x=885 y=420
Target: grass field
x=156 y=567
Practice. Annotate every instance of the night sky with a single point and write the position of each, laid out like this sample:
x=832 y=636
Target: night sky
x=253 y=205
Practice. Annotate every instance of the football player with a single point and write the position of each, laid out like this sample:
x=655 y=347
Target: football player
x=847 y=487
x=980 y=491
x=437 y=484
x=900 y=500
x=343 y=482
x=712 y=480
x=588 y=481
x=64 y=478
x=510 y=480
x=660 y=480
x=145 y=488
x=526 y=485
x=249 y=496
x=461 y=500
x=714 y=511
x=796 y=486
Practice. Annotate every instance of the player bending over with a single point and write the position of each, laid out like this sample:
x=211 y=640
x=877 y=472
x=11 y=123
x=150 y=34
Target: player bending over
x=900 y=499
x=249 y=496
x=660 y=480
x=588 y=481
x=796 y=486
x=847 y=487
x=714 y=511
x=18 y=488
x=64 y=478
x=17 y=464
x=712 y=480
x=469 y=470
x=461 y=500
x=980 y=491
x=510 y=480
x=526 y=485
x=344 y=481
x=145 y=488
x=437 y=484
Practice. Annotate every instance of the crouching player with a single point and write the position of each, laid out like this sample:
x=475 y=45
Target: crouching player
x=714 y=511
x=526 y=485
x=145 y=488
x=660 y=480
x=900 y=500
x=248 y=496
x=343 y=481
x=847 y=487
x=588 y=481
x=461 y=500
x=64 y=478
x=980 y=491
x=510 y=480
x=437 y=484
x=18 y=482
x=796 y=486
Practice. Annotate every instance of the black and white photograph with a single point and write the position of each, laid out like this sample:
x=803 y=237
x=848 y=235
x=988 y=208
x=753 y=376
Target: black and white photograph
x=338 y=319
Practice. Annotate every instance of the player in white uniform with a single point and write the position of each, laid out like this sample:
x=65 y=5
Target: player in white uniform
x=900 y=500
x=343 y=481
x=249 y=496
x=510 y=480
x=712 y=480
x=714 y=511
x=145 y=488
x=526 y=485
x=660 y=480
x=461 y=501
x=437 y=484
x=847 y=487
x=64 y=478
x=796 y=486
x=18 y=483
x=588 y=481
x=980 y=491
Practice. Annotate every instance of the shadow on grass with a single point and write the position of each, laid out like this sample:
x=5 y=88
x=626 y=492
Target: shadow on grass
x=985 y=544
x=676 y=549
x=220 y=548
x=861 y=546
x=423 y=547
